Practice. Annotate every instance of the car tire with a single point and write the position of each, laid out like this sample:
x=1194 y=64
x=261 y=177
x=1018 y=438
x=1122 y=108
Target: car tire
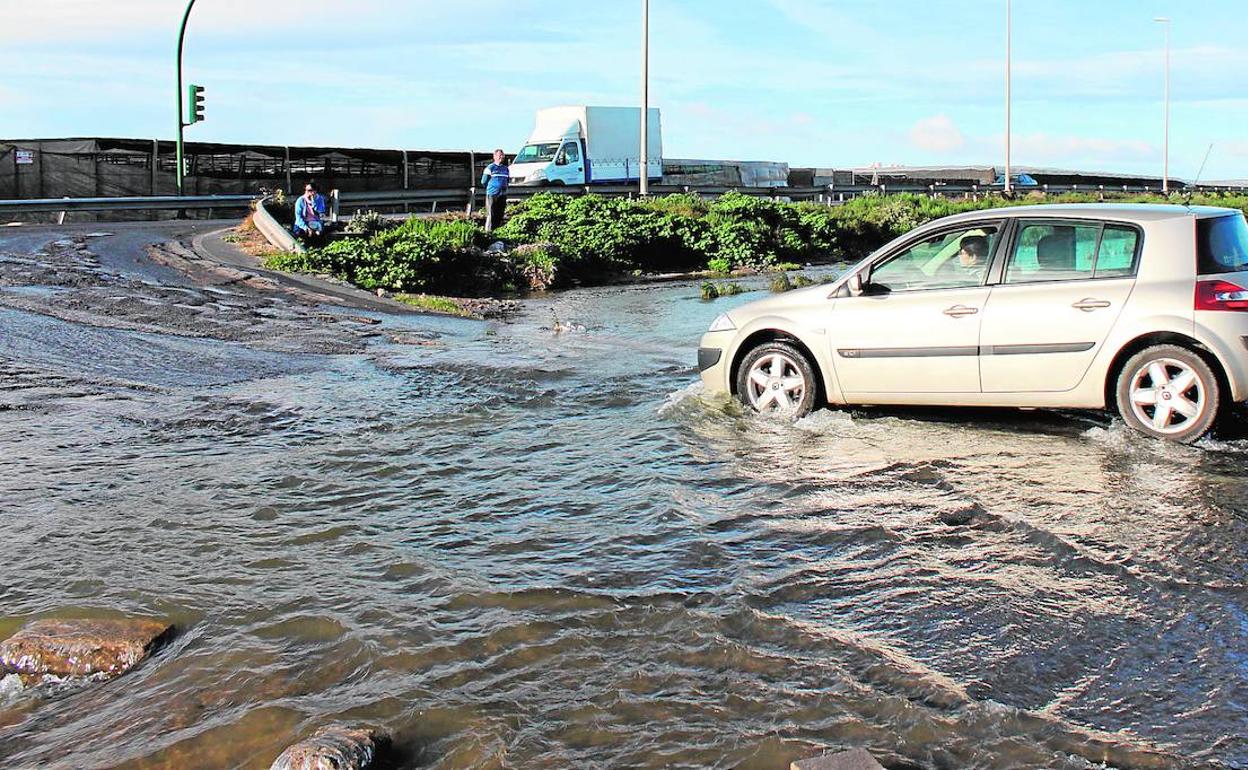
x=777 y=378
x=1169 y=392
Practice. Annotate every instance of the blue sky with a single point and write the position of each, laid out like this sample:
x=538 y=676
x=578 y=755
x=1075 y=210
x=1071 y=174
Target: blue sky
x=832 y=83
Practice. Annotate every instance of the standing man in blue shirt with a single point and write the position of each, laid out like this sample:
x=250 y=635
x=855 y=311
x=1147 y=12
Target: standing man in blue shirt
x=495 y=180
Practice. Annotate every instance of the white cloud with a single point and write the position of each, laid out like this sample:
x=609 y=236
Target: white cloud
x=824 y=19
x=938 y=134
x=1043 y=148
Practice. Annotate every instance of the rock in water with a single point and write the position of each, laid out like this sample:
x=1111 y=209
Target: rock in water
x=335 y=747
x=80 y=648
x=10 y=687
x=858 y=759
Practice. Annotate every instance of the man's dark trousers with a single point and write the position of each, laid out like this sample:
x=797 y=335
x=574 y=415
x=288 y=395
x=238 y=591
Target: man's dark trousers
x=495 y=207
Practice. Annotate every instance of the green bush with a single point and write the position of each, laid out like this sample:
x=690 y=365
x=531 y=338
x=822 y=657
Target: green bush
x=419 y=255
x=780 y=283
x=366 y=223
x=538 y=264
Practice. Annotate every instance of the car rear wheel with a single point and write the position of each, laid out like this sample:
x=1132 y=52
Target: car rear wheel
x=1169 y=392
x=777 y=378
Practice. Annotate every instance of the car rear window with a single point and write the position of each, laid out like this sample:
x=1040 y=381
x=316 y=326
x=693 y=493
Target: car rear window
x=1221 y=245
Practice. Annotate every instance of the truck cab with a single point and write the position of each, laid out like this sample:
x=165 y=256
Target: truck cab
x=556 y=162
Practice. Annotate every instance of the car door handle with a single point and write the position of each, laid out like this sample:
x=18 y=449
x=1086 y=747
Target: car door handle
x=957 y=311
x=1088 y=305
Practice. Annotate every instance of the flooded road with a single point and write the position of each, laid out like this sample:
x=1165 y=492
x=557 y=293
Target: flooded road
x=512 y=548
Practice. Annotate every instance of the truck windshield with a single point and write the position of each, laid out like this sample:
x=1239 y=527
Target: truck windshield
x=1222 y=245
x=538 y=153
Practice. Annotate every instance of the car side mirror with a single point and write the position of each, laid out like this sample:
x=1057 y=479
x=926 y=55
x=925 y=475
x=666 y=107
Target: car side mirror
x=561 y=159
x=856 y=285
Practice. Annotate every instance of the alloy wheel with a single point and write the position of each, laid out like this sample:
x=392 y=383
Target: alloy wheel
x=1167 y=395
x=776 y=384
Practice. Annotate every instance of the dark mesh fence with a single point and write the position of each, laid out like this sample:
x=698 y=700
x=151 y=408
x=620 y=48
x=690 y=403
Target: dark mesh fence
x=86 y=168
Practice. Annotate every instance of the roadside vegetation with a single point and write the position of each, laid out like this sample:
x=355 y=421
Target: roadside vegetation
x=553 y=241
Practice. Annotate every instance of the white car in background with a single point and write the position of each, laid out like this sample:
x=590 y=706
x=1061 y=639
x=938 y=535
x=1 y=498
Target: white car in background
x=1139 y=307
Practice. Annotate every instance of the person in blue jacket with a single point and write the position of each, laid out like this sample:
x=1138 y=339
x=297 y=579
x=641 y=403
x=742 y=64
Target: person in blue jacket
x=496 y=179
x=310 y=213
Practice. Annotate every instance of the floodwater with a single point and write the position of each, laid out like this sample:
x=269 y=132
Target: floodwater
x=512 y=548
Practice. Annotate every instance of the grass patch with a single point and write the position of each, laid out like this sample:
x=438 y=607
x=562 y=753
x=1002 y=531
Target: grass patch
x=435 y=304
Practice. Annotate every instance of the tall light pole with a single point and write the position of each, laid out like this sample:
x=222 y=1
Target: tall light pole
x=1009 y=44
x=181 y=117
x=644 y=187
x=1165 y=179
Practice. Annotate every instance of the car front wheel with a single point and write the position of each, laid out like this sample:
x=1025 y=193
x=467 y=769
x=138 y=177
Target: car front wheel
x=777 y=378
x=1169 y=392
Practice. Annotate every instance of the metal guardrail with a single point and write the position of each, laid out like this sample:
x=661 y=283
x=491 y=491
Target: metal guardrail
x=460 y=196
x=434 y=198
x=140 y=203
x=828 y=194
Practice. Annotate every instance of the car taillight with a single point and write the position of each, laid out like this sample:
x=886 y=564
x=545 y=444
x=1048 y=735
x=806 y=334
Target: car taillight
x=1221 y=295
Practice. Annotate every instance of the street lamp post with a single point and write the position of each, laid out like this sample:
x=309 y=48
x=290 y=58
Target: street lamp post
x=644 y=187
x=1165 y=179
x=1009 y=32
x=181 y=117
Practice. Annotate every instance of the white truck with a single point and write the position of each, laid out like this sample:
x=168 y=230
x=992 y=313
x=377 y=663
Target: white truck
x=589 y=145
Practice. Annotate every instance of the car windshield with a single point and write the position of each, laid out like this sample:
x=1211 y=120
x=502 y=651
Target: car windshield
x=538 y=153
x=1221 y=245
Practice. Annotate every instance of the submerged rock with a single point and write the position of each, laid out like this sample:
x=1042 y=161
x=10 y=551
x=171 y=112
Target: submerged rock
x=10 y=687
x=336 y=747
x=80 y=648
x=858 y=759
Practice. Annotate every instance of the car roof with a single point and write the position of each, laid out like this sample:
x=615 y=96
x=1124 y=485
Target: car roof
x=1129 y=212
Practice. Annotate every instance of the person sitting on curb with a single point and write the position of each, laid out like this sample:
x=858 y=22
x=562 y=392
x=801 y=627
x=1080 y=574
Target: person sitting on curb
x=496 y=179
x=310 y=213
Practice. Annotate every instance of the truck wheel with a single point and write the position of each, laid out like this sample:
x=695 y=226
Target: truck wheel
x=1169 y=392
x=777 y=378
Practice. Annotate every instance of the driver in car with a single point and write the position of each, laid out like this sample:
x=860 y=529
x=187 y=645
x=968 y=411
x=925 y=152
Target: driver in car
x=973 y=255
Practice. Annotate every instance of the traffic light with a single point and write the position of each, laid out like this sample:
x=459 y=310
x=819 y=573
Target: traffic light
x=195 y=104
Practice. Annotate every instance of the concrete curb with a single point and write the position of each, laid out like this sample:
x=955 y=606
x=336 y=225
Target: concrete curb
x=271 y=229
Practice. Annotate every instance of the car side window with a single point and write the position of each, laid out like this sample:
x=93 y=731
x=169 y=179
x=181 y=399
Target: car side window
x=949 y=260
x=1116 y=258
x=572 y=153
x=1057 y=251
x=1053 y=252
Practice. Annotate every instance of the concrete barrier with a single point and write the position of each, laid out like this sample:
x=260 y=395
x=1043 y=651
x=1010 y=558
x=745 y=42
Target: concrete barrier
x=273 y=231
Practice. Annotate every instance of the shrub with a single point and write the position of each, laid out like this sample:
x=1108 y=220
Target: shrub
x=780 y=283
x=538 y=264
x=366 y=223
x=709 y=291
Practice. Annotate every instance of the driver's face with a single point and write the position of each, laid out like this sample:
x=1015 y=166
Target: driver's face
x=968 y=258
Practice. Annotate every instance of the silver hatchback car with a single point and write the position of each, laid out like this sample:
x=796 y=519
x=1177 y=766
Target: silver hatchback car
x=1139 y=307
